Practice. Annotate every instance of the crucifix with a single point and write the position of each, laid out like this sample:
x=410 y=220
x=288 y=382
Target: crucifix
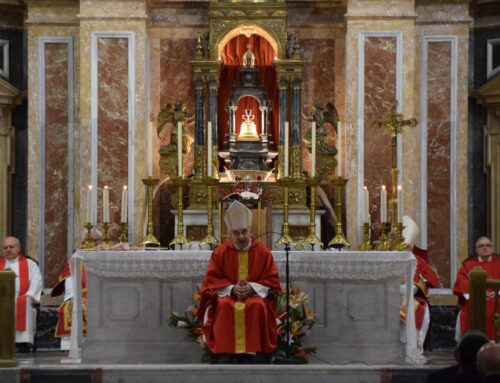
x=394 y=125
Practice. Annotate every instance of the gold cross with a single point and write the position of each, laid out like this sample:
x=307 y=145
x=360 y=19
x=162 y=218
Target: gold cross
x=395 y=123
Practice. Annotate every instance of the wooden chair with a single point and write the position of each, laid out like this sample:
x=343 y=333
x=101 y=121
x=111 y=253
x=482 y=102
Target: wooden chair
x=479 y=283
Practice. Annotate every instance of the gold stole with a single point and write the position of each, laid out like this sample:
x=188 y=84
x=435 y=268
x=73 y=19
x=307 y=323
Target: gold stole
x=239 y=306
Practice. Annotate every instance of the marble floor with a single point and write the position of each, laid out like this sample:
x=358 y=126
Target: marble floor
x=49 y=366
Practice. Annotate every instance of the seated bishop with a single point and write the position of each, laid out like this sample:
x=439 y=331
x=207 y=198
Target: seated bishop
x=237 y=305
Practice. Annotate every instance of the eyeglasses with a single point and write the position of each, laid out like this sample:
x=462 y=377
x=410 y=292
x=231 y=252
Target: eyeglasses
x=480 y=245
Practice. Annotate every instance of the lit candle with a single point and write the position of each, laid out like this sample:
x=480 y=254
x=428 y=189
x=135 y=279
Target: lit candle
x=339 y=149
x=367 y=205
x=383 y=204
x=313 y=149
x=105 y=204
x=149 y=148
x=209 y=149
x=400 y=203
x=123 y=218
x=89 y=204
x=179 y=149
x=285 y=166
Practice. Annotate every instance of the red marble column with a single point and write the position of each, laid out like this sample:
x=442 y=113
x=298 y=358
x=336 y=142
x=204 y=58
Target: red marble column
x=112 y=154
x=56 y=160
x=380 y=90
x=438 y=157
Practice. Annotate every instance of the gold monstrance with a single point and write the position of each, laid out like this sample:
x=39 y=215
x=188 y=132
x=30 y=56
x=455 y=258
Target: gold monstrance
x=394 y=126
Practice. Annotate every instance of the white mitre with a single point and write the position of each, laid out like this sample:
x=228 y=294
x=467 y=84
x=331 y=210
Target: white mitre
x=410 y=230
x=238 y=216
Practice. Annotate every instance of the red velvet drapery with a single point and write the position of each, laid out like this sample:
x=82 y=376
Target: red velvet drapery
x=232 y=56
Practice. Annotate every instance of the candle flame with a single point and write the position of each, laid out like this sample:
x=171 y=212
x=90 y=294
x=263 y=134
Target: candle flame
x=124 y=187
x=400 y=188
x=90 y=187
x=383 y=187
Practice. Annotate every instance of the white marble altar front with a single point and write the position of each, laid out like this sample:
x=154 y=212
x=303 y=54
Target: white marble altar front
x=356 y=296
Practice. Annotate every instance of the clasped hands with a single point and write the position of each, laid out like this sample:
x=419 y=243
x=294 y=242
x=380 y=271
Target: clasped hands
x=242 y=290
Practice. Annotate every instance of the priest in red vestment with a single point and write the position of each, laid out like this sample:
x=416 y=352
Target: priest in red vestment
x=28 y=290
x=423 y=278
x=486 y=259
x=239 y=318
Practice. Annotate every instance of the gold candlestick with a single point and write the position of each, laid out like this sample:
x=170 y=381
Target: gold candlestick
x=285 y=233
x=339 y=240
x=383 y=241
x=398 y=243
x=150 y=240
x=88 y=243
x=210 y=238
x=312 y=239
x=180 y=239
x=124 y=235
x=366 y=244
x=105 y=236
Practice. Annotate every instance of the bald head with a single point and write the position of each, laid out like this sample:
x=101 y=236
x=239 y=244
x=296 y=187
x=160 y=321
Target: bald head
x=11 y=247
x=488 y=359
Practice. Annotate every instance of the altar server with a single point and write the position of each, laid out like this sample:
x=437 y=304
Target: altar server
x=239 y=316
x=28 y=289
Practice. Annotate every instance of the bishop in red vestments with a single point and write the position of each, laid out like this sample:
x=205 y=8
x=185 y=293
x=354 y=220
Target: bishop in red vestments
x=238 y=315
x=485 y=259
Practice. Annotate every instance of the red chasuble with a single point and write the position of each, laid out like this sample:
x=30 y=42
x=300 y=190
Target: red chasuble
x=24 y=284
x=233 y=326
x=461 y=287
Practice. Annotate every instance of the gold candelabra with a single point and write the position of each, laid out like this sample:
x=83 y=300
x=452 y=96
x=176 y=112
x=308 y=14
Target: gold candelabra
x=312 y=239
x=150 y=240
x=366 y=245
x=87 y=242
x=210 y=238
x=285 y=238
x=180 y=239
x=383 y=241
x=339 y=240
x=124 y=235
x=105 y=237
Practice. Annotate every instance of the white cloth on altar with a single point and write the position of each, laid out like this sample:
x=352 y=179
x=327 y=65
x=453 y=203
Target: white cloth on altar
x=34 y=293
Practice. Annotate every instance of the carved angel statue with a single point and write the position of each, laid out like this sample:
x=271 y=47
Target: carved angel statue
x=170 y=117
x=321 y=116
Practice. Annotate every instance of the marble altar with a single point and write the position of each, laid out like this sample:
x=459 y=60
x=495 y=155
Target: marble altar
x=356 y=296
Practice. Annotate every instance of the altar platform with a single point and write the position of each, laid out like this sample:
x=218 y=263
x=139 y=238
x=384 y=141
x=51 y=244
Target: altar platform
x=48 y=366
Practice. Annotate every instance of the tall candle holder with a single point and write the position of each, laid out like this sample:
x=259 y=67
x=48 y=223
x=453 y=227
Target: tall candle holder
x=180 y=239
x=123 y=230
x=339 y=240
x=150 y=240
x=383 y=241
x=87 y=242
x=366 y=245
x=210 y=238
x=105 y=237
x=312 y=239
x=397 y=242
x=285 y=238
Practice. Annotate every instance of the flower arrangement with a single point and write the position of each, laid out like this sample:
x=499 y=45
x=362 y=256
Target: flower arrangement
x=301 y=321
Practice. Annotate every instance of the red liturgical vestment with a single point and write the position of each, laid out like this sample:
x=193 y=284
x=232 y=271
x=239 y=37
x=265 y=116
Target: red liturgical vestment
x=239 y=326
x=461 y=288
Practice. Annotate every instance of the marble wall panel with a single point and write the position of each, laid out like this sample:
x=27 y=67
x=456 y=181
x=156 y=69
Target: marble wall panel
x=176 y=83
x=438 y=159
x=380 y=89
x=112 y=123
x=56 y=160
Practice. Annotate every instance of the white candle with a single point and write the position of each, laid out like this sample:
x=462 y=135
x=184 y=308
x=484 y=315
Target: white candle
x=209 y=149
x=339 y=149
x=149 y=149
x=105 y=204
x=367 y=205
x=313 y=149
x=400 y=203
x=123 y=218
x=286 y=149
x=89 y=204
x=179 y=149
x=383 y=204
